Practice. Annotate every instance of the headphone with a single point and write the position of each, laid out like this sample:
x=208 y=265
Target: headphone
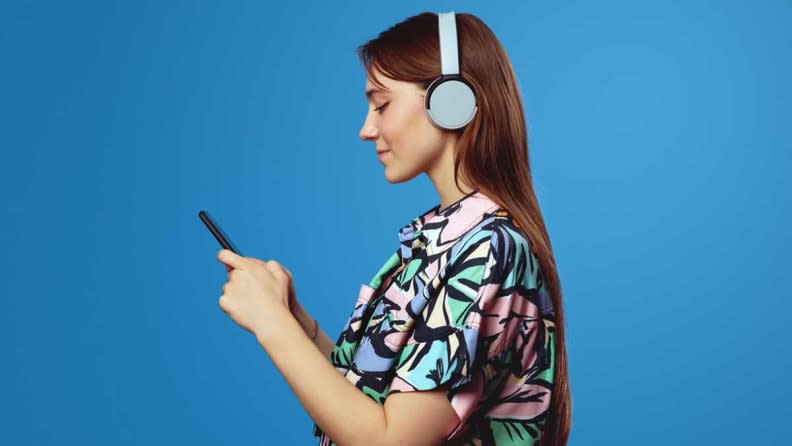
x=450 y=102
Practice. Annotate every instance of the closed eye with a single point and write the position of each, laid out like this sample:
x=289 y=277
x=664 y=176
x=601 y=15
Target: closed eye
x=381 y=107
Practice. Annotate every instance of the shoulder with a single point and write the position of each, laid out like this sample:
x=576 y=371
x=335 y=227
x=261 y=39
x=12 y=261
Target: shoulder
x=507 y=236
x=511 y=248
x=497 y=239
x=493 y=257
x=498 y=252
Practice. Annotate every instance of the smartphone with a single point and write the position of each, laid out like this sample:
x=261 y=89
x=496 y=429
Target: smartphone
x=217 y=232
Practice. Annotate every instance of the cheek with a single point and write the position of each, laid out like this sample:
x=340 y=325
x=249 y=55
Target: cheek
x=404 y=127
x=392 y=125
x=394 y=133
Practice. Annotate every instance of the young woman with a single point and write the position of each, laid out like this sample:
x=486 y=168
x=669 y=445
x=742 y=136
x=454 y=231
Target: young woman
x=459 y=336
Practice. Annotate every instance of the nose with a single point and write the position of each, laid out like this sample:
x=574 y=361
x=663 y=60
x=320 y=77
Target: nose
x=369 y=131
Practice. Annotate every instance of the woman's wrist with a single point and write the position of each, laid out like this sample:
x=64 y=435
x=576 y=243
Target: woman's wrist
x=305 y=320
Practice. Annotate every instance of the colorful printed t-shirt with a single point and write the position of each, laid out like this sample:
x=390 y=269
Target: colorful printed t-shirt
x=461 y=305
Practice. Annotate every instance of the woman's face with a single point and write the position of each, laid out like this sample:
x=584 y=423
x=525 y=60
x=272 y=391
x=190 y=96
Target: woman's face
x=397 y=124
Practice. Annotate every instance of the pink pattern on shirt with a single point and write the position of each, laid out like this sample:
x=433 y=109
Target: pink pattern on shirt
x=521 y=410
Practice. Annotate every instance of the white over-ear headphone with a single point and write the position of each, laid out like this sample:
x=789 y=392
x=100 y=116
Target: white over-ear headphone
x=450 y=102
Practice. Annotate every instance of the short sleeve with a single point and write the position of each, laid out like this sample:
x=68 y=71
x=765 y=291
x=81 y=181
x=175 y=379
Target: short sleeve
x=473 y=317
x=442 y=348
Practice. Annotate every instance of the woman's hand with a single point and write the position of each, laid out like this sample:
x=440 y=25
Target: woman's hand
x=257 y=293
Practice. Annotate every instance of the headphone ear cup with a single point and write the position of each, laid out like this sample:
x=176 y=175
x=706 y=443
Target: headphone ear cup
x=450 y=103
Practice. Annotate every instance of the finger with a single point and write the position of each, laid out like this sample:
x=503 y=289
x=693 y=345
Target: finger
x=292 y=290
x=274 y=268
x=278 y=266
x=231 y=259
x=274 y=265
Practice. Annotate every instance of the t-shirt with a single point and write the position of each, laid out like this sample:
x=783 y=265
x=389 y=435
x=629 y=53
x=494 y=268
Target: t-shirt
x=460 y=305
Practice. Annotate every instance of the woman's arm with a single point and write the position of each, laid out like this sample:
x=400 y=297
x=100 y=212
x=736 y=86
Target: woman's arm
x=322 y=342
x=341 y=410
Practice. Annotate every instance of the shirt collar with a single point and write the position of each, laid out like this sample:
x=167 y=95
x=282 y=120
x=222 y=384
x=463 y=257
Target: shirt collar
x=434 y=228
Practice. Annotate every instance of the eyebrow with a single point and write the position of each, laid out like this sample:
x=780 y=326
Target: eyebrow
x=372 y=91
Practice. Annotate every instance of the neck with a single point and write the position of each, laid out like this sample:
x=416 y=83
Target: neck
x=442 y=176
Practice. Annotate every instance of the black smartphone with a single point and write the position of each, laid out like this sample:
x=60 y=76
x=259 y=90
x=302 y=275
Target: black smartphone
x=217 y=232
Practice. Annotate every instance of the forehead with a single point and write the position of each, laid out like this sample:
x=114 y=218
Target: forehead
x=374 y=89
x=391 y=87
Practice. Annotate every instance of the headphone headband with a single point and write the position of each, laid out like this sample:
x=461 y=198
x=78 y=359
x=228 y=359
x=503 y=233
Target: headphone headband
x=449 y=57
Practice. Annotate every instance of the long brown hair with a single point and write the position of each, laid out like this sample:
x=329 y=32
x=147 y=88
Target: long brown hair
x=492 y=150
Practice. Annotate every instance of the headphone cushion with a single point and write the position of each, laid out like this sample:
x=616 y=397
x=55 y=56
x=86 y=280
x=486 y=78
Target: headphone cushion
x=451 y=104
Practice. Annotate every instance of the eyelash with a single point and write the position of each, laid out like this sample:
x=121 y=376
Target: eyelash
x=381 y=107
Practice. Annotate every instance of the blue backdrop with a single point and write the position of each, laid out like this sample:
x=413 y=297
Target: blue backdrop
x=659 y=140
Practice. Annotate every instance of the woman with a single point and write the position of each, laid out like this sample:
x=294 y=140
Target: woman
x=459 y=336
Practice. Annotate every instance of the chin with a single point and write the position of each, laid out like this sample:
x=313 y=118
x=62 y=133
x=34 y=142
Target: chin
x=395 y=177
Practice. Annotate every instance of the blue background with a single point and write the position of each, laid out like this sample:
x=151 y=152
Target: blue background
x=659 y=140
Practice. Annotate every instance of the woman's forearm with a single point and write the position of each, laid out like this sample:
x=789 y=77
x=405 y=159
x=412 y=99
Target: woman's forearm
x=324 y=343
x=340 y=409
